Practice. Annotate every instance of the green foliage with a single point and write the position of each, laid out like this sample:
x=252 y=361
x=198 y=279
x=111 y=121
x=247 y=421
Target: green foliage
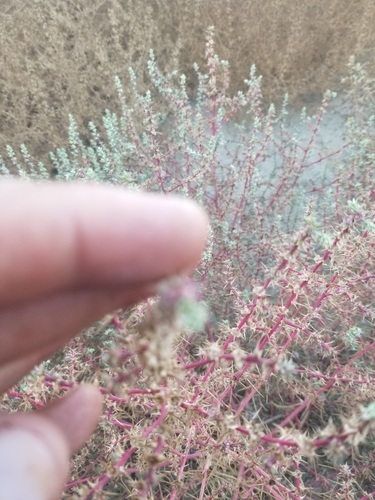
x=352 y=337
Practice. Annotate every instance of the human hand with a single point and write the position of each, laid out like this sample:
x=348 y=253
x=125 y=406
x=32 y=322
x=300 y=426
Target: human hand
x=70 y=253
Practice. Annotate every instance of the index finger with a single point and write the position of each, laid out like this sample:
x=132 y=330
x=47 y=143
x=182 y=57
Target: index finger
x=56 y=236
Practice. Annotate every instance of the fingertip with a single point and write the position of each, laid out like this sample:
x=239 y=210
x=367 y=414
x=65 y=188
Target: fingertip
x=76 y=414
x=194 y=220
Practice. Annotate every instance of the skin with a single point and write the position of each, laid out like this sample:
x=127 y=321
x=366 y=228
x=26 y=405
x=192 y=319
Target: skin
x=71 y=253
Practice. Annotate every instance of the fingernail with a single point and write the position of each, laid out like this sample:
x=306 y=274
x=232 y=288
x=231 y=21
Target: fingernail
x=27 y=467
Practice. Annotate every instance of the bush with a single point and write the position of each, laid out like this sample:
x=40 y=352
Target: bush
x=270 y=396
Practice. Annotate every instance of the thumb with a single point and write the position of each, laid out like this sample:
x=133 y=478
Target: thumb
x=35 y=447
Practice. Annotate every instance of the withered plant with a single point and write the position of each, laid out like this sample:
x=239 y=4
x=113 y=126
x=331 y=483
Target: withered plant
x=61 y=56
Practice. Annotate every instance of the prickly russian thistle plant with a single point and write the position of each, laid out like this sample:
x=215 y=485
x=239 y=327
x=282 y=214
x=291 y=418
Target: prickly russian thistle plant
x=271 y=394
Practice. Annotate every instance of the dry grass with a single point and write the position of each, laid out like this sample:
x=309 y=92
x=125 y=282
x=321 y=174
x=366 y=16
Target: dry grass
x=60 y=57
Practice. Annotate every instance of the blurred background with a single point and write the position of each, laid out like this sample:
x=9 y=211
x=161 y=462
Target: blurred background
x=61 y=57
